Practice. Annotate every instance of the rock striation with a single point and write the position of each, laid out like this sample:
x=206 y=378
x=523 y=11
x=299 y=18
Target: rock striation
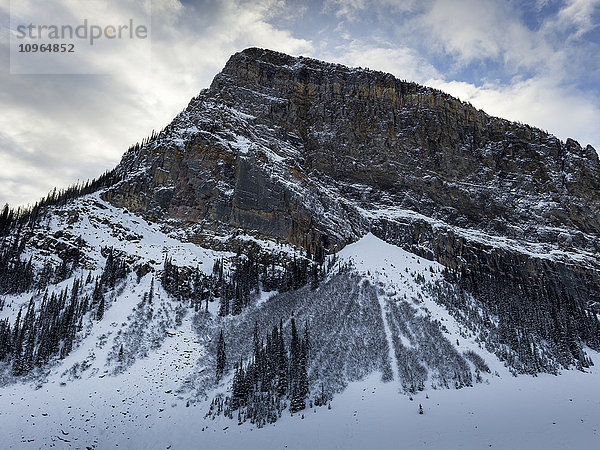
x=318 y=154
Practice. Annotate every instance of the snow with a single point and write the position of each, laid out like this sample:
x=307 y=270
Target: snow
x=265 y=296
x=545 y=412
x=242 y=144
x=83 y=411
x=146 y=406
x=534 y=249
x=100 y=224
x=373 y=254
x=396 y=269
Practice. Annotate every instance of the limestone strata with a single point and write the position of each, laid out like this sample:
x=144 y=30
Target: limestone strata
x=310 y=152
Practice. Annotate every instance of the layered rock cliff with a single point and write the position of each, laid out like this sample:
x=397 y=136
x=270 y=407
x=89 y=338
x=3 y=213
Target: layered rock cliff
x=318 y=154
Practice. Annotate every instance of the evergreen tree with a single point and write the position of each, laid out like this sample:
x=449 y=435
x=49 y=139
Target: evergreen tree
x=298 y=376
x=100 y=310
x=5 y=220
x=237 y=301
x=282 y=363
x=238 y=389
x=221 y=357
x=223 y=304
x=5 y=344
x=151 y=293
x=255 y=341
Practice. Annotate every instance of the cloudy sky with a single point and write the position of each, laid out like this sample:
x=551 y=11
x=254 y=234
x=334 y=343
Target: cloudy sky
x=537 y=62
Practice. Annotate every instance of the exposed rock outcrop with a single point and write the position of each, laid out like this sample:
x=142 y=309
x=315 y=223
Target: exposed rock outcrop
x=318 y=154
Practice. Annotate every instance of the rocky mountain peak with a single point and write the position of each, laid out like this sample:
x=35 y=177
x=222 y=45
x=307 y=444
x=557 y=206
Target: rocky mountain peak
x=318 y=154
x=269 y=69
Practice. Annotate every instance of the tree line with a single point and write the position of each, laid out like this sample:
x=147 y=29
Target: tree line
x=11 y=218
x=534 y=327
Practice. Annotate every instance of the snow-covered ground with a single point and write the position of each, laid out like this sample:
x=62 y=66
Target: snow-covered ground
x=139 y=410
x=147 y=406
x=100 y=224
x=95 y=408
x=396 y=271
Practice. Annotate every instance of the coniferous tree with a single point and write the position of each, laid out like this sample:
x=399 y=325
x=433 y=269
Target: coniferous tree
x=302 y=370
x=237 y=301
x=238 y=389
x=100 y=310
x=5 y=344
x=221 y=357
x=298 y=375
x=282 y=363
x=262 y=388
x=5 y=220
x=151 y=293
x=223 y=304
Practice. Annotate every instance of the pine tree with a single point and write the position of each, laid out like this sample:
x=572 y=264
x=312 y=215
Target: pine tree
x=282 y=363
x=5 y=345
x=16 y=342
x=97 y=294
x=5 y=219
x=223 y=302
x=221 y=357
x=298 y=376
x=255 y=341
x=17 y=366
x=100 y=310
x=302 y=370
x=238 y=389
x=237 y=301
x=294 y=348
x=151 y=293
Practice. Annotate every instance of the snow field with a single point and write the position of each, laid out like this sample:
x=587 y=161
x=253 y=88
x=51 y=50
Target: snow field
x=146 y=406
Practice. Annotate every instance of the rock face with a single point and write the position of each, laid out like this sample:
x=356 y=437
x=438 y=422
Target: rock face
x=318 y=154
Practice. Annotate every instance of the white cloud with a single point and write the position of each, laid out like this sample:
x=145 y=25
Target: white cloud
x=479 y=30
x=403 y=62
x=536 y=101
x=57 y=129
x=352 y=10
x=578 y=16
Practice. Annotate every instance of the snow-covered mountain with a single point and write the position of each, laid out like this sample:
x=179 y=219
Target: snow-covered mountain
x=308 y=250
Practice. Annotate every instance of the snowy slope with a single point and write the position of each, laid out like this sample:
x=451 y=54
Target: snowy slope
x=395 y=271
x=102 y=225
x=548 y=412
x=80 y=401
x=146 y=406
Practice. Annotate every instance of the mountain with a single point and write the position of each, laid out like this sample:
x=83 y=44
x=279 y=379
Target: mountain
x=300 y=231
x=318 y=154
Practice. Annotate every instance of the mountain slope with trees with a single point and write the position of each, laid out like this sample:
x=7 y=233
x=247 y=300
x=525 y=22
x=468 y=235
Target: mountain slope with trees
x=300 y=229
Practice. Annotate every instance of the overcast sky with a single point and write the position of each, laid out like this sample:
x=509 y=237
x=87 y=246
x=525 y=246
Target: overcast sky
x=537 y=62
